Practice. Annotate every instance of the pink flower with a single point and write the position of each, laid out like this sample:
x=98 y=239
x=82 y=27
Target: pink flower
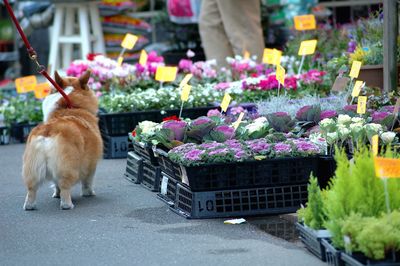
x=214 y=112
x=328 y=114
x=222 y=86
x=152 y=57
x=185 y=65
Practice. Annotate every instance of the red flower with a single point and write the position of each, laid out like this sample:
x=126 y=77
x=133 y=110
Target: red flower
x=91 y=56
x=172 y=117
x=134 y=133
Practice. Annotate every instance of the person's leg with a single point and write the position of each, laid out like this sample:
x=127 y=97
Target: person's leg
x=214 y=39
x=242 y=23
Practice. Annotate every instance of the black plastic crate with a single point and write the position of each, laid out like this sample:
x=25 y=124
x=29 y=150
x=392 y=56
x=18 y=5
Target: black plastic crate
x=151 y=178
x=167 y=166
x=4 y=135
x=264 y=173
x=134 y=168
x=168 y=189
x=115 y=147
x=312 y=240
x=239 y=202
x=332 y=255
x=326 y=170
x=20 y=132
x=359 y=259
x=145 y=151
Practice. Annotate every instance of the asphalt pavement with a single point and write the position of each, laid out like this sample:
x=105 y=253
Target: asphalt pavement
x=124 y=224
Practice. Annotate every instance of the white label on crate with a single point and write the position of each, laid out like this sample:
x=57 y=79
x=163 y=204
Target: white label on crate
x=164 y=185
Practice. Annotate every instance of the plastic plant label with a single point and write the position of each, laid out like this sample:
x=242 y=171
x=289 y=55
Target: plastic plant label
x=375 y=141
x=235 y=221
x=357 y=88
x=396 y=107
x=164 y=185
x=120 y=60
x=308 y=47
x=129 y=41
x=305 y=22
x=238 y=121
x=25 y=84
x=42 y=90
x=340 y=84
x=361 y=104
x=280 y=74
x=246 y=55
x=185 y=80
x=166 y=74
x=143 y=58
x=387 y=167
x=355 y=69
x=185 y=92
x=272 y=56
x=225 y=102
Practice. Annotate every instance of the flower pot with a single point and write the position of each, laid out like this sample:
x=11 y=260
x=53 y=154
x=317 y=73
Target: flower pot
x=373 y=75
x=358 y=259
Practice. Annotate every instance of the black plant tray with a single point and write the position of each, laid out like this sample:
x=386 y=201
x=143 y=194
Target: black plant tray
x=19 y=132
x=332 y=255
x=145 y=151
x=167 y=166
x=134 y=168
x=115 y=147
x=151 y=178
x=359 y=259
x=168 y=189
x=251 y=174
x=4 y=135
x=312 y=240
x=239 y=202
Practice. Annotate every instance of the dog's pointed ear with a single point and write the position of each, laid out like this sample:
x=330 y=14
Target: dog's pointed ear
x=59 y=80
x=83 y=80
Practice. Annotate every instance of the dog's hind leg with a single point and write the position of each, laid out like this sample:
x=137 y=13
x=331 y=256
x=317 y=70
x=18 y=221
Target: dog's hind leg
x=30 y=200
x=87 y=184
x=65 y=184
x=56 y=193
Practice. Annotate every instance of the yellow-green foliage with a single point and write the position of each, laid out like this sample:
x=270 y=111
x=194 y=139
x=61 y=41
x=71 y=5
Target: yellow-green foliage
x=358 y=55
x=356 y=189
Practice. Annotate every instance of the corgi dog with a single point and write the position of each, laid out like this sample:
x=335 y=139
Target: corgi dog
x=66 y=147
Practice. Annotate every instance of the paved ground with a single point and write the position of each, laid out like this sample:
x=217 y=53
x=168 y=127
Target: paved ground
x=123 y=225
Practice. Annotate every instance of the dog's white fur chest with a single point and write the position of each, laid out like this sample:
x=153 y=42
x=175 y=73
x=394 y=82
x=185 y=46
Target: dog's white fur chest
x=50 y=102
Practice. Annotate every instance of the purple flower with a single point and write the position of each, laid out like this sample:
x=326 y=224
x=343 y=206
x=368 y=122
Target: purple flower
x=379 y=116
x=282 y=148
x=214 y=112
x=352 y=108
x=302 y=110
x=258 y=145
x=194 y=155
x=211 y=145
x=221 y=151
x=222 y=86
x=308 y=147
x=201 y=121
x=328 y=114
x=177 y=127
x=281 y=114
x=388 y=108
x=229 y=132
x=185 y=65
x=233 y=144
x=236 y=110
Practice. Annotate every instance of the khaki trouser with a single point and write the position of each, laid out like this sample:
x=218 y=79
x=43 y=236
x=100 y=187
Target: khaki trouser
x=230 y=27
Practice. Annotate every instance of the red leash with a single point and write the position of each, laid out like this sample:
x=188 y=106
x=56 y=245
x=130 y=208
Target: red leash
x=33 y=55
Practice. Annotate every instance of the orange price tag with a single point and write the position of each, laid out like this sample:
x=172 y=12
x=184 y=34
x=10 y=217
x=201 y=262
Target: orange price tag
x=305 y=22
x=308 y=47
x=143 y=57
x=361 y=104
x=238 y=121
x=355 y=69
x=280 y=74
x=225 y=102
x=166 y=74
x=357 y=88
x=185 y=92
x=185 y=80
x=129 y=41
x=387 y=167
x=375 y=141
x=42 y=90
x=272 y=56
x=25 y=84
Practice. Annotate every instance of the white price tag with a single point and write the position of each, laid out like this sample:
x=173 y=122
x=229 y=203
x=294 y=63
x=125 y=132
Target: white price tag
x=164 y=185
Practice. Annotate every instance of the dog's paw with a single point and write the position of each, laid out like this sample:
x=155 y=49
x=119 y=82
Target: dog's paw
x=88 y=193
x=29 y=206
x=66 y=206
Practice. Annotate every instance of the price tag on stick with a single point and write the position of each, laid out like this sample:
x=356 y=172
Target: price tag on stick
x=355 y=69
x=143 y=58
x=185 y=92
x=42 y=90
x=120 y=60
x=246 y=55
x=25 y=84
x=129 y=41
x=272 y=56
x=225 y=102
x=308 y=47
x=357 y=88
x=305 y=22
x=396 y=108
x=387 y=167
x=238 y=121
x=361 y=104
x=166 y=74
x=375 y=141
x=185 y=80
x=280 y=74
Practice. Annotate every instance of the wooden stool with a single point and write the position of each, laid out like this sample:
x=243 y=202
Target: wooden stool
x=75 y=23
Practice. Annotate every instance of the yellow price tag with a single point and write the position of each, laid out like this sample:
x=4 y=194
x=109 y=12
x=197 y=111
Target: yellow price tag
x=185 y=92
x=361 y=104
x=272 y=56
x=305 y=22
x=308 y=47
x=246 y=55
x=143 y=58
x=238 y=121
x=396 y=107
x=42 y=90
x=225 y=102
x=280 y=74
x=129 y=41
x=185 y=80
x=375 y=141
x=357 y=88
x=166 y=74
x=25 y=84
x=387 y=167
x=355 y=69
x=120 y=60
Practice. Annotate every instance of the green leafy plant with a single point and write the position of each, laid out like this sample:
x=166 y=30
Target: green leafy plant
x=281 y=122
x=24 y=108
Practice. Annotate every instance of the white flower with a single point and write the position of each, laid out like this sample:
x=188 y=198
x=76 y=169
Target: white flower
x=326 y=122
x=260 y=120
x=147 y=127
x=358 y=120
x=331 y=137
x=356 y=127
x=344 y=119
x=388 y=137
x=344 y=132
x=373 y=127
